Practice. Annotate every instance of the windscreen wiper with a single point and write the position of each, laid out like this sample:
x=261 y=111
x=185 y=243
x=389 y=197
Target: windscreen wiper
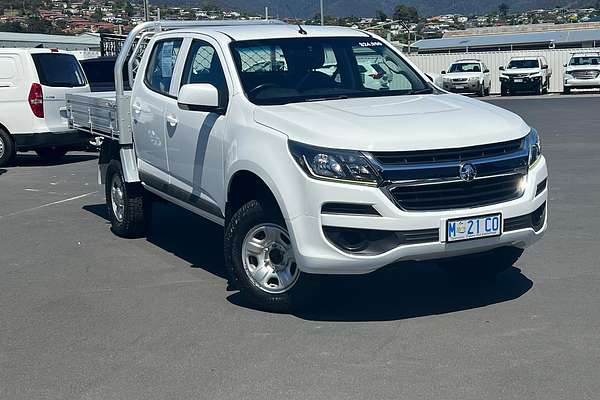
x=422 y=91
x=340 y=97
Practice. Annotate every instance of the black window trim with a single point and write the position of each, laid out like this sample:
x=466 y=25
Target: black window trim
x=146 y=83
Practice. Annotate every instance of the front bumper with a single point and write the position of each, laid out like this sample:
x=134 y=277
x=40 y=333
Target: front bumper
x=521 y=84
x=462 y=87
x=316 y=254
x=574 y=83
x=74 y=140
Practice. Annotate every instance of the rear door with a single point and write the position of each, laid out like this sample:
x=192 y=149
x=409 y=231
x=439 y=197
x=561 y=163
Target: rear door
x=59 y=74
x=150 y=95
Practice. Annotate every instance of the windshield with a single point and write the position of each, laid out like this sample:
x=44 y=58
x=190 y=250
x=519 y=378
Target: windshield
x=465 y=67
x=280 y=71
x=585 y=60
x=523 y=64
x=58 y=70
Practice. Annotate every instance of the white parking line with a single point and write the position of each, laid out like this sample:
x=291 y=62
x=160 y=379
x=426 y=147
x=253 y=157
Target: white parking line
x=49 y=204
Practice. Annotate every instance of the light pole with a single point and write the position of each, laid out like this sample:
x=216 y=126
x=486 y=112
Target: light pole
x=322 y=16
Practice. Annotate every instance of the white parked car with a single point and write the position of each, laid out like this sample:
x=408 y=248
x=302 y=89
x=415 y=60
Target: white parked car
x=525 y=74
x=310 y=171
x=582 y=72
x=468 y=76
x=33 y=115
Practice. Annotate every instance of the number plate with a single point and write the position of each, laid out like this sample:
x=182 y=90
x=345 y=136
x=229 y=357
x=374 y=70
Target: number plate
x=459 y=87
x=473 y=228
x=518 y=80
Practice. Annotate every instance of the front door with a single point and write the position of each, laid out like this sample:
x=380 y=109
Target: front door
x=195 y=138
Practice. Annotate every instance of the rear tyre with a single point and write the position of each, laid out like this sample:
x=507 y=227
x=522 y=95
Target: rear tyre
x=7 y=149
x=51 y=154
x=260 y=260
x=487 y=91
x=482 y=266
x=129 y=207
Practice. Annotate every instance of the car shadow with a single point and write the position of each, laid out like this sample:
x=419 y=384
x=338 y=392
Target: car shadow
x=33 y=160
x=400 y=291
x=2 y=171
x=403 y=291
x=182 y=233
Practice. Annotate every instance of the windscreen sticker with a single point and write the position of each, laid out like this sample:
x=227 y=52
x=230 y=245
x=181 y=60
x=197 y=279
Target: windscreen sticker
x=370 y=44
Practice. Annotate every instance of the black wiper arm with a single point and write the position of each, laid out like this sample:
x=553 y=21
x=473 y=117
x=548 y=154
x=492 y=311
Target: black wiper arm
x=422 y=91
x=340 y=97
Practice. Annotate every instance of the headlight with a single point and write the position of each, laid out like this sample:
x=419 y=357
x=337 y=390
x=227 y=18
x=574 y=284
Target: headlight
x=473 y=79
x=334 y=165
x=535 y=148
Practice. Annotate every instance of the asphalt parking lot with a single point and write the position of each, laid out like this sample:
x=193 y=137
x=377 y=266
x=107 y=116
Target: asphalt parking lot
x=86 y=315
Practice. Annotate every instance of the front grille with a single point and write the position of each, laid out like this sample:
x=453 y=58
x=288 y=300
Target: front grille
x=448 y=155
x=458 y=194
x=459 y=80
x=586 y=74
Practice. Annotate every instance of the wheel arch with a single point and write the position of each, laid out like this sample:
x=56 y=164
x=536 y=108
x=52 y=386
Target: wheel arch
x=247 y=184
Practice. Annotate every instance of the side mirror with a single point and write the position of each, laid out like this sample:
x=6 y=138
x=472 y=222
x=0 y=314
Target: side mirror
x=501 y=68
x=485 y=71
x=565 y=65
x=443 y=72
x=199 y=97
x=544 y=66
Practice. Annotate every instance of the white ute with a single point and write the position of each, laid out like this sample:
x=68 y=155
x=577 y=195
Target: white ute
x=33 y=112
x=582 y=72
x=309 y=170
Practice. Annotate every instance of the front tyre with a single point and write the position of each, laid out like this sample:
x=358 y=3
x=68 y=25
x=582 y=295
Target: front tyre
x=260 y=259
x=482 y=266
x=129 y=208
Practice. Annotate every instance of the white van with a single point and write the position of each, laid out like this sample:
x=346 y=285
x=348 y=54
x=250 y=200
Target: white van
x=33 y=86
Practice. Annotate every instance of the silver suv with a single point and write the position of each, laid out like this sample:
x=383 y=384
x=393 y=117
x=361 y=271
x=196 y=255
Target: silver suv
x=468 y=76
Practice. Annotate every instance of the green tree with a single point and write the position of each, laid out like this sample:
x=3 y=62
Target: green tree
x=406 y=13
x=503 y=11
x=381 y=16
x=97 y=15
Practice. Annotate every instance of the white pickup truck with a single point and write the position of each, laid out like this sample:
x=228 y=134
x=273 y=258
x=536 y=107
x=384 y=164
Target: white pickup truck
x=270 y=130
x=525 y=74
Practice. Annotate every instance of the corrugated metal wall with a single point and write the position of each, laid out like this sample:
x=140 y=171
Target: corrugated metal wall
x=435 y=63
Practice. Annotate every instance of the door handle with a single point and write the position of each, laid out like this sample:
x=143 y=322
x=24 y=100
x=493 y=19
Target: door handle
x=5 y=84
x=171 y=120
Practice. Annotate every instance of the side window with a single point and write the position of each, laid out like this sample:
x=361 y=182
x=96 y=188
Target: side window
x=159 y=71
x=203 y=66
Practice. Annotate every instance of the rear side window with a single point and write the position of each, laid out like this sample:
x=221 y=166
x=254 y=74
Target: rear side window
x=159 y=72
x=58 y=70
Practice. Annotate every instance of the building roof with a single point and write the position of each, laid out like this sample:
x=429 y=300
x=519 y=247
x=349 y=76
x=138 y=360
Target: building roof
x=86 y=39
x=557 y=37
